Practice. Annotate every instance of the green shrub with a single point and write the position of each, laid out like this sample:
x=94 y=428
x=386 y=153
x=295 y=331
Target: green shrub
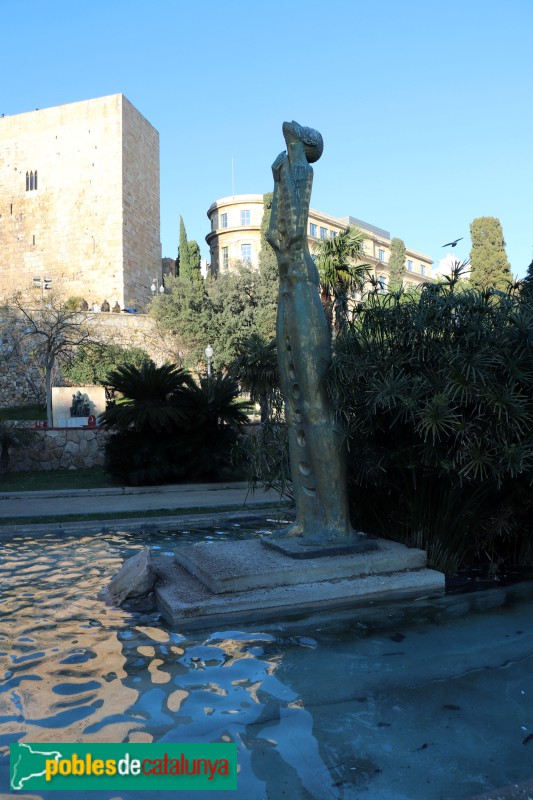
x=166 y=427
x=434 y=390
x=92 y=363
x=213 y=416
x=256 y=370
x=141 y=458
x=265 y=456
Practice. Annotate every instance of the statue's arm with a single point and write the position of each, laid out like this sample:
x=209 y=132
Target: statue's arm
x=273 y=233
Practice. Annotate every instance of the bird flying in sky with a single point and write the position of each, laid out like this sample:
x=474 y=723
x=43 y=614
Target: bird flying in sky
x=452 y=244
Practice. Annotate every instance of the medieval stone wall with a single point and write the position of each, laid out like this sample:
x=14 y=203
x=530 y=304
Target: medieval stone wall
x=135 y=330
x=79 y=201
x=141 y=207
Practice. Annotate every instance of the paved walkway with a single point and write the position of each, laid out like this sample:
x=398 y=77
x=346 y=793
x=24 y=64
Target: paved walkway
x=63 y=502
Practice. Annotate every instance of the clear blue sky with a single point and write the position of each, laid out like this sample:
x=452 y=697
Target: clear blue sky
x=425 y=107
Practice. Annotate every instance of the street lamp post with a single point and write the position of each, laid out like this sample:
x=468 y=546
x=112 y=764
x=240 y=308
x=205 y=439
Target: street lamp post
x=209 y=355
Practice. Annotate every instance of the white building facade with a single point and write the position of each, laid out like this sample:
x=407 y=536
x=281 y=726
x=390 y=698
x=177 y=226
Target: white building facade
x=235 y=237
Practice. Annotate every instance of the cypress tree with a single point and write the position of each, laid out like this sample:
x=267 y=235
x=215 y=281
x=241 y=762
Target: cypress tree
x=188 y=263
x=183 y=252
x=488 y=259
x=397 y=258
x=194 y=259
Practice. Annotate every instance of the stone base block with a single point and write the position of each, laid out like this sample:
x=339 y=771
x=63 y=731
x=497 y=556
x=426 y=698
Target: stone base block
x=228 y=581
x=244 y=565
x=295 y=547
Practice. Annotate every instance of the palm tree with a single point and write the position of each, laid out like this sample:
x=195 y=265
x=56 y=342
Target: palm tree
x=256 y=369
x=214 y=402
x=145 y=422
x=149 y=397
x=341 y=271
x=214 y=415
x=166 y=427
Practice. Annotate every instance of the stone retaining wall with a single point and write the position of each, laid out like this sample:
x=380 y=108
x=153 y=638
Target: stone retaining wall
x=20 y=389
x=60 y=448
x=65 y=448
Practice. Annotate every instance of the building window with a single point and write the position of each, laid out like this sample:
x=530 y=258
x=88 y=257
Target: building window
x=246 y=252
x=323 y=233
x=332 y=234
x=223 y=220
x=312 y=229
x=381 y=255
x=409 y=265
x=225 y=258
x=422 y=269
x=382 y=284
x=245 y=217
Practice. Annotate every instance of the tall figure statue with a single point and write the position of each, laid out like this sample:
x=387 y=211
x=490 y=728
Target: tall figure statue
x=304 y=351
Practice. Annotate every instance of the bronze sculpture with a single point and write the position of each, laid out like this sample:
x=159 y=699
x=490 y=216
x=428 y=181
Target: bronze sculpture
x=304 y=352
x=80 y=405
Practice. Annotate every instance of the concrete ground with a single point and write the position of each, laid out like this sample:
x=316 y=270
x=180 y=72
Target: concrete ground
x=64 y=503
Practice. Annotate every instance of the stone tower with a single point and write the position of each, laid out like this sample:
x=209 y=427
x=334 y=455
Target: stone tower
x=79 y=201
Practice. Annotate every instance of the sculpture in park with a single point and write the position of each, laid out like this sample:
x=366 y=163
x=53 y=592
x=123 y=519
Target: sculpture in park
x=304 y=351
x=80 y=405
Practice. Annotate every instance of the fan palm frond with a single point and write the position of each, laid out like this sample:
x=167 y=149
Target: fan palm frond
x=149 y=397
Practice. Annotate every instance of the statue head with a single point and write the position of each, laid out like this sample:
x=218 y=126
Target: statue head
x=312 y=140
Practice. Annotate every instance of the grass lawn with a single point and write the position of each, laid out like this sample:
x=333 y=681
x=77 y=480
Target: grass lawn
x=93 y=478
x=23 y=412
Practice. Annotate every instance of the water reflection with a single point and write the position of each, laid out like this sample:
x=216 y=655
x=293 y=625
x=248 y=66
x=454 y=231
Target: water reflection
x=334 y=710
x=73 y=669
x=65 y=663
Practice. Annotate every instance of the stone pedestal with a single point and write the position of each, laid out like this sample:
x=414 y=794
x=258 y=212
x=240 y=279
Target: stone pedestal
x=212 y=584
x=296 y=547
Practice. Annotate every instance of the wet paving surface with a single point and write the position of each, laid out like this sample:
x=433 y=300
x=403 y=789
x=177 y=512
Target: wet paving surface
x=432 y=703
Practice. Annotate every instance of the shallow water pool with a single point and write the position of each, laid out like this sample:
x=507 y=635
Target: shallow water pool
x=410 y=702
